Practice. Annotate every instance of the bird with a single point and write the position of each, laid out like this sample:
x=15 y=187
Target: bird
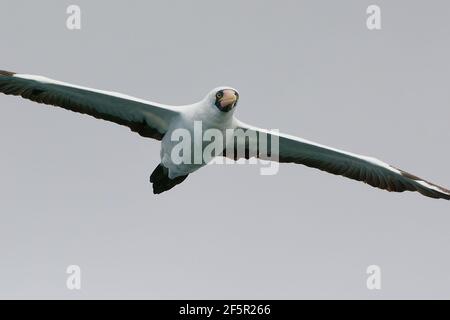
x=215 y=111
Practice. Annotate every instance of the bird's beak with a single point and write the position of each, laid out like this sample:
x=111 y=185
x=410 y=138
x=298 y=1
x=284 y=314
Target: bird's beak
x=228 y=100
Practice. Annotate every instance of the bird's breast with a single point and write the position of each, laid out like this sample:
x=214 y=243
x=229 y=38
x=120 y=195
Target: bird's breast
x=183 y=146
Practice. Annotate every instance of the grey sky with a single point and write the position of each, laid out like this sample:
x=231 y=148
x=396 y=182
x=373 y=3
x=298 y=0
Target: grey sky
x=75 y=190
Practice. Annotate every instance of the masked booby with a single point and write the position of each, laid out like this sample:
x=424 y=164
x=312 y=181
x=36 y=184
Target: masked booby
x=215 y=111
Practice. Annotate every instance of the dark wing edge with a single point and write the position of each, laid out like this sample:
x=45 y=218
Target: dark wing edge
x=147 y=119
x=361 y=168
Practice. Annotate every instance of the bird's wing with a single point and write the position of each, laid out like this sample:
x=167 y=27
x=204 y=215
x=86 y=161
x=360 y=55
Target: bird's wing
x=367 y=169
x=146 y=118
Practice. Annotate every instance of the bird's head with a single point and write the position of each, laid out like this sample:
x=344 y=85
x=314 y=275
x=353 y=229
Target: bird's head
x=223 y=98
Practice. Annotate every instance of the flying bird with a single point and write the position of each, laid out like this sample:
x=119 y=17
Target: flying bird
x=215 y=111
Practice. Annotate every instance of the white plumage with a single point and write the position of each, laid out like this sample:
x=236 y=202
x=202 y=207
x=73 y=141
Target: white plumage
x=215 y=111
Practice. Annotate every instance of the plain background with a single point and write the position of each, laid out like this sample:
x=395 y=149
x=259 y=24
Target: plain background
x=75 y=190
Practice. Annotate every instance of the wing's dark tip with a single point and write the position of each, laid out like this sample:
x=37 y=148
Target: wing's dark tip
x=6 y=73
x=436 y=191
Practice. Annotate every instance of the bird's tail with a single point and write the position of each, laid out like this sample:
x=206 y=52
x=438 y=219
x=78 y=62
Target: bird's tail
x=162 y=182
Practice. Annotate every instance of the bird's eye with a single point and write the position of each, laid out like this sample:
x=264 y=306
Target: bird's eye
x=219 y=95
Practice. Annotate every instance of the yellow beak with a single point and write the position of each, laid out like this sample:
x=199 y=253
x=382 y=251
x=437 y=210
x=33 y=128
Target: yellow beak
x=229 y=98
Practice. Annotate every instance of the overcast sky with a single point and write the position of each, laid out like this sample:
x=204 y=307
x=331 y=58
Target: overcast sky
x=75 y=190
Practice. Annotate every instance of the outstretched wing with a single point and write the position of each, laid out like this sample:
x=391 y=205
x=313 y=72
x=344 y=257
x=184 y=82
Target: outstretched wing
x=367 y=169
x=146 y=118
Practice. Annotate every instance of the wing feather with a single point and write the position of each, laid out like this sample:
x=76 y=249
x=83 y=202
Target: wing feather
x=362 y=168
x=149 y=119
